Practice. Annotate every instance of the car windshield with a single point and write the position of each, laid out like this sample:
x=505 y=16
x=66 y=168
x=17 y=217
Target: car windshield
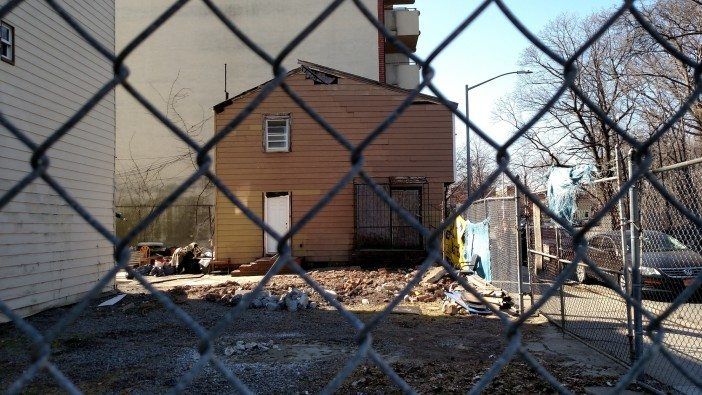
x=659 y=242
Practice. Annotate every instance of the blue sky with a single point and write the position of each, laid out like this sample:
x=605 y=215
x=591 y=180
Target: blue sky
x=490 y=46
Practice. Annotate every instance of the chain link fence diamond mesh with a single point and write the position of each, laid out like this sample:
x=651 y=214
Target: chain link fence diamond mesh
x=671 y=248
x=501 y=214
x=654 y=329
x=589 y=306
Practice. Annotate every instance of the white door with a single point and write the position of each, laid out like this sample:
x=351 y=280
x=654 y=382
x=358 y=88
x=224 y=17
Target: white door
x=277 y=216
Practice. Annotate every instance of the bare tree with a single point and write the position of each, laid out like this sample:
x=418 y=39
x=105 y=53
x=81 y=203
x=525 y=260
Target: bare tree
x=571 y=132
x=664 y=82
x=482 y=164
x=625 y=73
x=143 y=186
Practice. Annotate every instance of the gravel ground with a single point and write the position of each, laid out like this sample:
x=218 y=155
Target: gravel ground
x=139 y=347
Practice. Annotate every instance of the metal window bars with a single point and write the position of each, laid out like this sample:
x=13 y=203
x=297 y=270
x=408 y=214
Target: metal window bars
x=654 y=329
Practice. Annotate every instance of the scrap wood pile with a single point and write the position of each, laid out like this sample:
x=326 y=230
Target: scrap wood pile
x=190 y=259
x=458 y=299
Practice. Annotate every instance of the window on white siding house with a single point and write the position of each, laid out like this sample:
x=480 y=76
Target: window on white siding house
x=277 y=134
x=7 y=43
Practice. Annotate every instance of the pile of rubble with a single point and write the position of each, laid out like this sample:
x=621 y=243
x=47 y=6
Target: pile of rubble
x=232 y=293
x=243 y=348
x=459 y=300
x=350 y=286
x=355 y=286
x=153 y=259
x=293 y=300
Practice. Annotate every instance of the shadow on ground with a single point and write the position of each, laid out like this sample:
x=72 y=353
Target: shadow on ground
x=138 y=346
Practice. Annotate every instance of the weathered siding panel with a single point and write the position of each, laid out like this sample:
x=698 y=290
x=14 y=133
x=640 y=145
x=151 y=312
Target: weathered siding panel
x=419 y=143
x=49 y=255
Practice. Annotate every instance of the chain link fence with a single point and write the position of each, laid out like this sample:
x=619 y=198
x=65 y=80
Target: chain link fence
x=653 y=329
x=584 y=307
x=589 y=306
x=671 y=248
x=501 y=215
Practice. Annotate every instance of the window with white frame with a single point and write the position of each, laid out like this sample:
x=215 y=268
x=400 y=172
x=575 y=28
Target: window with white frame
x=277 y=133
x=7 y=43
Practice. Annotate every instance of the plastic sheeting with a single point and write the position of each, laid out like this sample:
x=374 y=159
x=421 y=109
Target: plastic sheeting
x=563 y=185
x=476 y=239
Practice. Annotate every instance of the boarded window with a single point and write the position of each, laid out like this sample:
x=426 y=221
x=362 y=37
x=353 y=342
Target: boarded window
x=404 y=236
x=378 y=227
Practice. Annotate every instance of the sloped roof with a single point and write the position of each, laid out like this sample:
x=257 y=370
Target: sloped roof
x=307 y=66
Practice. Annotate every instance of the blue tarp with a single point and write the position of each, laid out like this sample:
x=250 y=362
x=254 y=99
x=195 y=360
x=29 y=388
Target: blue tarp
x=476 y=239
x=563 y=184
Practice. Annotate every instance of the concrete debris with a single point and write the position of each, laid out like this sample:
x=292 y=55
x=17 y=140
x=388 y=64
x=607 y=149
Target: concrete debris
x=348 y=286
x=244 y=348
x=450 y=307
x=433 y=275
x=404 y=309
x=232 y=293
x=112 y=301
x=331 y=294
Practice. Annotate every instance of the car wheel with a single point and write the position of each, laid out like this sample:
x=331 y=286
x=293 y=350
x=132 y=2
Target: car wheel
x=581 y=274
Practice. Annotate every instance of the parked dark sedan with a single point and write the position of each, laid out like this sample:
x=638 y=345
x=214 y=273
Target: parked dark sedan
x=667 y=265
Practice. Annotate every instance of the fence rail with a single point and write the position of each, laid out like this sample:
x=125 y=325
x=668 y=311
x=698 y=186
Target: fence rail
x=652 y=333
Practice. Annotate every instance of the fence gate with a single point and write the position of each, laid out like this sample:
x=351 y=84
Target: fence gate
x=505 y=241
x=668 y=256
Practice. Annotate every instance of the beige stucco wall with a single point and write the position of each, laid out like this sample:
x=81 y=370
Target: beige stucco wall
x=185 y=59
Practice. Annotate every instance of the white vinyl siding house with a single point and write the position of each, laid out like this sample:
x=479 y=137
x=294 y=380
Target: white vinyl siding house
x=49 y=255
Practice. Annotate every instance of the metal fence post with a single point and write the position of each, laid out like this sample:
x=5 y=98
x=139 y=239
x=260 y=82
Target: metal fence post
x=623 y=222
x=635 y=221
x=520 y=258
x=561 y=292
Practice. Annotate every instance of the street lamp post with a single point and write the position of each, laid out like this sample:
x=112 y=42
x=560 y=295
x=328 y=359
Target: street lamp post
x=469 y=172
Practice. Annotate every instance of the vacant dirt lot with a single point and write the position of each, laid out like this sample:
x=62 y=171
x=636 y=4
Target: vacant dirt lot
x=137 y=346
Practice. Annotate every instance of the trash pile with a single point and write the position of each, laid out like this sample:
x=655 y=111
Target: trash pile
x=459 y=300
x=191 y=259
